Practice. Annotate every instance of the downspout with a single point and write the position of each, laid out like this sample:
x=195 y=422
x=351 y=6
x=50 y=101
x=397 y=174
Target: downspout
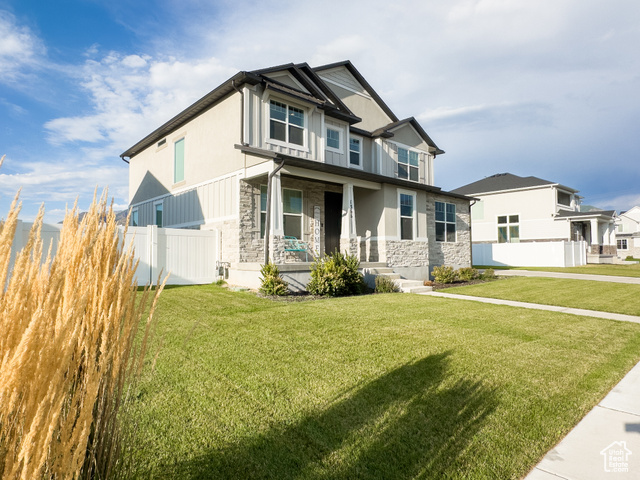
x=124 y=159
x=233 y=84
x=267 y=220
x=470 y=233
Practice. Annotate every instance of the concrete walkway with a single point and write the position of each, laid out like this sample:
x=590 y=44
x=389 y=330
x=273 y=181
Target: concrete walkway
x=574 y=276
x=606 y=442
x=537 y=306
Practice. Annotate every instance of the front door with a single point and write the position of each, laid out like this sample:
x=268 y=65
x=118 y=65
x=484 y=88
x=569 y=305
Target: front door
x=332 y=221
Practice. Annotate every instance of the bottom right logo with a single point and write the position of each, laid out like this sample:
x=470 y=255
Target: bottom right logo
x=616 y=457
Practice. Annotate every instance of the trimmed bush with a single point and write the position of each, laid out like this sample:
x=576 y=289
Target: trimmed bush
x=336 y=275
x=467 y=274
x=489 y=274
x=444 y=274
x=271 y=283
x=385 y=284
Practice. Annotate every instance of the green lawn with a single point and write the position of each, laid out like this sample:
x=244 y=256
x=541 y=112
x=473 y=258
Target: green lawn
x=378 y=386
x=615 y=270
x=607 y=297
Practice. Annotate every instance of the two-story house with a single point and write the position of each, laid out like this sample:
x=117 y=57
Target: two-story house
x=514 y=209
x=292 y=155
x=628 y=233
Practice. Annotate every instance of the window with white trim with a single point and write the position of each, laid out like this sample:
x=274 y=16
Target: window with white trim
x=134 y=217
x=334 y=142
x=292 y=212
x=509 y=229
x=263 y=209
x=286 y=123
x=355 y=152
x=178 y=161
x=407 y=216
x=408 y=164
x=445 y=222
x=158 y=214
x=622 y=244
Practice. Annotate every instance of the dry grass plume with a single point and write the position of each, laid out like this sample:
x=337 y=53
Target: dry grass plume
x=74 y=332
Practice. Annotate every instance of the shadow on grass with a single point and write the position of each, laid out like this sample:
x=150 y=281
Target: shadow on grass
x=403 y=424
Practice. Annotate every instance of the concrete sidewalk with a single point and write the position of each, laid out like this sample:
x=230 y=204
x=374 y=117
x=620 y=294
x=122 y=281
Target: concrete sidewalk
x=574 y=276
x=606 y=442
x=537 y=306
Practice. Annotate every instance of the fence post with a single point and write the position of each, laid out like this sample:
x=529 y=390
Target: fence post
x=152 y=249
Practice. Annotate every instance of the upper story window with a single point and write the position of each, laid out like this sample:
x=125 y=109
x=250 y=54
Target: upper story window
x=407 y=216
x=509 y=229
x=286 y=123
x=333 y=140
x=445 y=222
x=178 y=161
x=564 y=198
x=355 y=152
x=408 y=164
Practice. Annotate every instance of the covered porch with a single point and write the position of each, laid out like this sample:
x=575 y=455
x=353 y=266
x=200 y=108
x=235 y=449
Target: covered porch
x=597 y=229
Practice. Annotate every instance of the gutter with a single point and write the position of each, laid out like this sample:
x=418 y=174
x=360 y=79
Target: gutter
x=267 y=220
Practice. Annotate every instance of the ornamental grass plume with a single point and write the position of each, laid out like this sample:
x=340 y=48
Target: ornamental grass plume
x=74 y=331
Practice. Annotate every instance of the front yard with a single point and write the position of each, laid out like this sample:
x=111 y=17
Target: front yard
x=614 y=270
x=378 y=386
x=590 y=295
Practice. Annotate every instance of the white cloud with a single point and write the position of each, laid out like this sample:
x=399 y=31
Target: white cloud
x=132 y=95
x=19 y=48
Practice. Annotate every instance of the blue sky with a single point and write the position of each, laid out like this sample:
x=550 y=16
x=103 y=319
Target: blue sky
x=548 y=88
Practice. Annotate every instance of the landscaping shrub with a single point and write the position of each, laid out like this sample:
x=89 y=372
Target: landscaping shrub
x=489 y=274
x=467 y=274
x=630 y=258
x=385 y=284
x=444 y=274
x=70 y=347
x=336 y=275
x=271 y=283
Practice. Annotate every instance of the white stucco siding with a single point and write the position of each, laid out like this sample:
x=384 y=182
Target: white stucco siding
x=534 y=207
x=373 y=117
x=209 y=152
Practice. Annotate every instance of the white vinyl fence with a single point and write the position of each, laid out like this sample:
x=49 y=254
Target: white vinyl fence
x=190 y=256
x=530 y=254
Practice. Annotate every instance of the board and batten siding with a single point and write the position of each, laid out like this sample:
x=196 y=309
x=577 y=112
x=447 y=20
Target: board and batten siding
x=197 y=206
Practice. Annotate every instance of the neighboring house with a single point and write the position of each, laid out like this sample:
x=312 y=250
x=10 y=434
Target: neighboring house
x=290 y=157
x=513 y=209
x=628 y=233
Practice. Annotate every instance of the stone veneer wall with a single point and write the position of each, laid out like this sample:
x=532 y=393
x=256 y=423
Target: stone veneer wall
x=407 y=253
x=250 y=245
x=228 y=230
x=456 y=254
x=606 y=249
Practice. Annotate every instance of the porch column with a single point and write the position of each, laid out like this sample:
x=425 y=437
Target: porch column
x=594 y=232
x=348 y=239
x=348 y=212
x=277 y=223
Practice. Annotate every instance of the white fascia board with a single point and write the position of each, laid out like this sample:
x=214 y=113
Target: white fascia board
x=329 y=177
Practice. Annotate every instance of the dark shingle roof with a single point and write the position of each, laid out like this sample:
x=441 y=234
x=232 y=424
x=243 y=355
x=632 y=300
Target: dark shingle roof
x=591 y=213
x=503 y=181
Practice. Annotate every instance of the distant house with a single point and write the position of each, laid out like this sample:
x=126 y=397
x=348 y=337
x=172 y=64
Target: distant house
x=290 y=162
x=513 y=209
x=628 y=233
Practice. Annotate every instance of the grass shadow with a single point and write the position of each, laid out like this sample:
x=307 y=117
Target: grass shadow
x=409 y=422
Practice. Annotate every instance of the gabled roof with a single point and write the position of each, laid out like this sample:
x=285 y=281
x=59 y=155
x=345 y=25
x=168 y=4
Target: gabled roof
x=317 y=93
x=349 y=66
x=505 y=181
x=386 y=132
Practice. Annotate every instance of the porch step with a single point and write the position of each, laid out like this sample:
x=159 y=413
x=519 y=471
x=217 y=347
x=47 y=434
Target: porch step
x=412 y=286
